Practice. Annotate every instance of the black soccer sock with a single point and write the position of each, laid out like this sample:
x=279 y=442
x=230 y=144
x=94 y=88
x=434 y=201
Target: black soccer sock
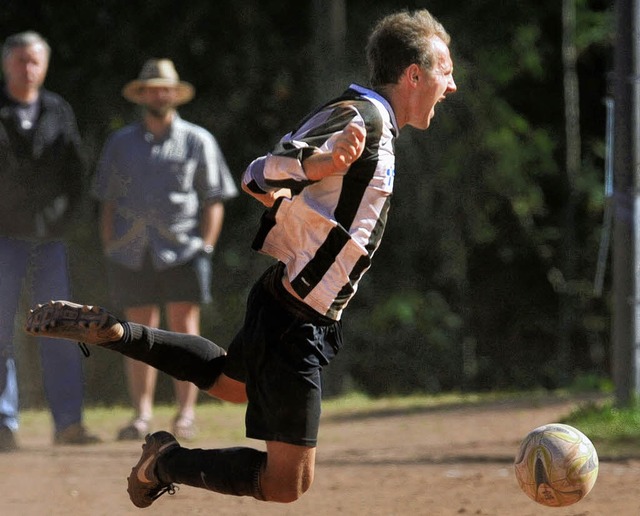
x=185 y=357
x=232 y=471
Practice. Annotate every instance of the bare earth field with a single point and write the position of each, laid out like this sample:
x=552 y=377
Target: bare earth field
x=453 y=460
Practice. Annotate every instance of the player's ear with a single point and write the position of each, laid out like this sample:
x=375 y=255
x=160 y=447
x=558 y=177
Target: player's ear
x=412 y=74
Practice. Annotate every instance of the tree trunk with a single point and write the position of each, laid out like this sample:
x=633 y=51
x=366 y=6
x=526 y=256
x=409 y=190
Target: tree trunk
x=569 y=250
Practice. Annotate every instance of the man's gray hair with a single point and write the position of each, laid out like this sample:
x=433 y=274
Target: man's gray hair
x=24 y=39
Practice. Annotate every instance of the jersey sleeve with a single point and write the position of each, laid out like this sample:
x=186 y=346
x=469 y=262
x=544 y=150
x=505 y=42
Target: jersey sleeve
x=283 y=166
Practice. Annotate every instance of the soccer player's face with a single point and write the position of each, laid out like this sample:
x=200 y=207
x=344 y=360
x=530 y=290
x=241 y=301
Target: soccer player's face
x=433 y=86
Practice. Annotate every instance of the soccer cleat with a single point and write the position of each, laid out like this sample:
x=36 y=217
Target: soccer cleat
x=144 y=486
x=67 y=320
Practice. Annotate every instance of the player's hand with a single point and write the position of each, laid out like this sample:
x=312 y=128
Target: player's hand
x=349 y=146
x=269 y=198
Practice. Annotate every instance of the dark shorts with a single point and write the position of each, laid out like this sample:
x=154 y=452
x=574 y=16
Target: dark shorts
x=189 y=281
x=279 y=354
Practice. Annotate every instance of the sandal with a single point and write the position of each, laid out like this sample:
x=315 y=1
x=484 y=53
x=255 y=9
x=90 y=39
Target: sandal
x=134 y=431
x=184 y=428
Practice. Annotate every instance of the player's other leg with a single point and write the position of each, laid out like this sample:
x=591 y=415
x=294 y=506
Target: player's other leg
x=289 y=472
x=282 y=474
x=184 y=357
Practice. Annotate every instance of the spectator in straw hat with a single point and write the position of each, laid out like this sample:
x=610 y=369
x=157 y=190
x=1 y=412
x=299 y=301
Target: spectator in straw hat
x=161 y=183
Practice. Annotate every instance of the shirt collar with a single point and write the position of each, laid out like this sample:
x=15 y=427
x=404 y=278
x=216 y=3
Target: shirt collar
x=151 y=139
x=375 y=95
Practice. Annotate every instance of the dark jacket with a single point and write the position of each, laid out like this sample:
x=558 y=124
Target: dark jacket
x=42 y=173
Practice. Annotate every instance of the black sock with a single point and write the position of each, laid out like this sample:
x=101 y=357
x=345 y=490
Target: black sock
x=233 y=471
x=185 y=357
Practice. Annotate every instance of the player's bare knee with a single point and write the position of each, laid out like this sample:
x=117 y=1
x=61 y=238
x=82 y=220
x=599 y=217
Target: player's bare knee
x=286 y=493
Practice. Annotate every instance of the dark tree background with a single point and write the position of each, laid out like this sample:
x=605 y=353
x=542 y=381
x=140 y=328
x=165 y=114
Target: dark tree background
x=465 y=290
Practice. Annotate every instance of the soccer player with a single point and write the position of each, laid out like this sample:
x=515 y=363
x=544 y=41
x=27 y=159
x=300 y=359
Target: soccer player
x=328 y=186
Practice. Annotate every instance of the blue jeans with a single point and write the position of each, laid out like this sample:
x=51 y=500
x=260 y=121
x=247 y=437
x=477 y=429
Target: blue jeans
x=44 y=266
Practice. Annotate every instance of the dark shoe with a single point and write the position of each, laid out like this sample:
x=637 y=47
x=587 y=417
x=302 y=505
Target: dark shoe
x=7 y=440
x=75 y=434
x=67 y=320
x=144 y=487
x=134 y=431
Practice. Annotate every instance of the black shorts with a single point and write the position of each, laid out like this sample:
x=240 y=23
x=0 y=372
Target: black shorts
x=189 y=282
x=279 y=354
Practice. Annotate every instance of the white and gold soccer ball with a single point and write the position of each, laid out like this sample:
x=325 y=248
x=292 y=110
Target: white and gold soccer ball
x=557 y=465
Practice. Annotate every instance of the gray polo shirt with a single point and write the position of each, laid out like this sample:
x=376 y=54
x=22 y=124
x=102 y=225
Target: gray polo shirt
x=159 y=187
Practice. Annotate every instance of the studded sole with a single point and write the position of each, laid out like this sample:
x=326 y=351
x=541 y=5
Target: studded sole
x=67 y=320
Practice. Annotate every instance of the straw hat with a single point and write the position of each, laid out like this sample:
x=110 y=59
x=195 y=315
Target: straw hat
x=159 y=73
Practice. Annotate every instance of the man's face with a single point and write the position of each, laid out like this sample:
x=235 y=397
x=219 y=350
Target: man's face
x=432 y=86
x=159 y=100
x=25 y=68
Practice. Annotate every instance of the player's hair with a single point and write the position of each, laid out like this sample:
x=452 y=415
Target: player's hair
x=399 y=40
x=24 y=39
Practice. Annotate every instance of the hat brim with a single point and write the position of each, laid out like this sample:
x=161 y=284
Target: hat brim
x=132 y=91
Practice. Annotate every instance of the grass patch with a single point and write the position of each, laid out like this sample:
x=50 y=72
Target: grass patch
x=216 y=421
x=361 y=403
x=615 y=431
x=224 y=422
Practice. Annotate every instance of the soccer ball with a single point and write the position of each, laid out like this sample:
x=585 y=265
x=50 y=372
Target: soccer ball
x=557 y=465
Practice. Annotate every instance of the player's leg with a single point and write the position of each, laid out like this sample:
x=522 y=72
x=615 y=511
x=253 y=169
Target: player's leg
x=282 y=474
x=228 y=389
x=280 y=358
x=279 y=355
x=185 y=357
x=230 y=471
x=233 y=471
x=289 y=471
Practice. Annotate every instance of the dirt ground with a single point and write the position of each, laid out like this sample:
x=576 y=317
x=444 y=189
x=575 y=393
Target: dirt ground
x=455 y=460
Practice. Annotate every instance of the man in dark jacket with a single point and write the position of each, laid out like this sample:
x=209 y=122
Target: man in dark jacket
x=41 y=168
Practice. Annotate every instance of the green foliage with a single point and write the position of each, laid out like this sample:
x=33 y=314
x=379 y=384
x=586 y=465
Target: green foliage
x=409 y=343
x=606 y=421
x=615 y=431
x=467 y=286
x=594 y=27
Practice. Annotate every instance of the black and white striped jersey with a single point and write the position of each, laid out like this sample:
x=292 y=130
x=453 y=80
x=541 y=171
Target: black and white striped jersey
x=327 y=233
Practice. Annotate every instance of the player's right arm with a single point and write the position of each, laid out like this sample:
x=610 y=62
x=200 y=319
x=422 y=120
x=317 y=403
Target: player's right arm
x=347 y=147
x=307 y=156
x=267 y=198
x=276 y=175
